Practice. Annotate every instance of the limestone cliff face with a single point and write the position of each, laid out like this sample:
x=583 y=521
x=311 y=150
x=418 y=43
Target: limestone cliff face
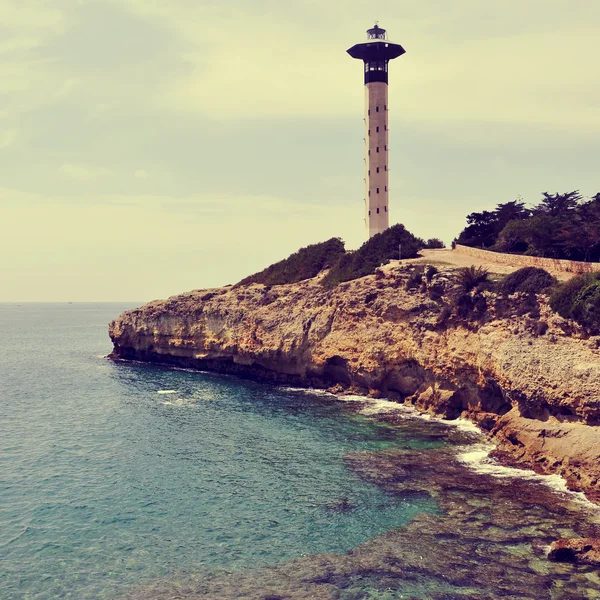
x=524 y=374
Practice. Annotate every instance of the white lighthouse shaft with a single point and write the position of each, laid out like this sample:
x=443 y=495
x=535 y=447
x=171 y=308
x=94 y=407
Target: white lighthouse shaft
x=376 y=143
x=376 y=53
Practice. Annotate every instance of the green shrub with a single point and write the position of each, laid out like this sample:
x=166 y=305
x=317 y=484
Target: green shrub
x=433 y=243
x=469 y=278
x=415 y=279
x=430 y=271
x=586 y=308
x=306 y=263
x=529 y=279
x=376 y=251
x=579 y=299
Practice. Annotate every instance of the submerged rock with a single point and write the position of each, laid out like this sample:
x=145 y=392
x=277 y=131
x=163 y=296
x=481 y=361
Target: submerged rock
x=487 y=542
x=341 y=505
x=581 y=550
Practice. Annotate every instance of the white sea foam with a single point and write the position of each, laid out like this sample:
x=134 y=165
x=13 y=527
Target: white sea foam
x=382 y=407
x=311 y=391
x=477 y=457
x=463 y=425
x=165 y=392
x=181 y=403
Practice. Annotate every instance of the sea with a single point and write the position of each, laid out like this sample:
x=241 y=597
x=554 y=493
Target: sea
x=127 y=480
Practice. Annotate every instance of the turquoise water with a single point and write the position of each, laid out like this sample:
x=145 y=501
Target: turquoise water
x=107 y=483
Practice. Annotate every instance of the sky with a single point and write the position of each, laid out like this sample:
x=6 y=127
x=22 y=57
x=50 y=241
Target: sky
x=151 y=147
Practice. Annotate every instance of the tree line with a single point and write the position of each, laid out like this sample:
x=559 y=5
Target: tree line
x=563 y=225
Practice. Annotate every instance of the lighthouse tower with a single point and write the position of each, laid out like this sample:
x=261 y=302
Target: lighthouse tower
x=376 y=53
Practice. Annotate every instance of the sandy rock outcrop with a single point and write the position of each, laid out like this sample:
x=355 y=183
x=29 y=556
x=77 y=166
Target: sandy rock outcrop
x=525 y=375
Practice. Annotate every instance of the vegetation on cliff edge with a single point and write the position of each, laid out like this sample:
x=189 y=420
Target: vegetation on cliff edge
x=579 y=299
x=306 y=263
x=373 y=253
x=531 y=280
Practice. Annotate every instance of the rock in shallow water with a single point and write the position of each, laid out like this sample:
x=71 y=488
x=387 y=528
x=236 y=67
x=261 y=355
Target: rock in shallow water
x=486 y=543
x=578 y=550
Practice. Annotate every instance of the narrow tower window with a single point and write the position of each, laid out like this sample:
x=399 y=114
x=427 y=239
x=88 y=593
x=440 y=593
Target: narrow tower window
x=386 y=188
x=385 y=208
x=377 y=130
x=378 y=169
x=369 y=132
x=377 y=211
x=378 y=190
x=385 y=168
x=377 y=149
x=377 y=109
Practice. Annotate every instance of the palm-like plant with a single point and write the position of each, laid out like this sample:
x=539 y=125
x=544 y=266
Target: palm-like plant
x=469 y=278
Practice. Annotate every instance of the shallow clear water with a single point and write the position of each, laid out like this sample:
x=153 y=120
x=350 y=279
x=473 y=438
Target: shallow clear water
x=106 y=483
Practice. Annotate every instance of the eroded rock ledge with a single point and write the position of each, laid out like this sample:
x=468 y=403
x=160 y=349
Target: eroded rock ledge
x=525 y=375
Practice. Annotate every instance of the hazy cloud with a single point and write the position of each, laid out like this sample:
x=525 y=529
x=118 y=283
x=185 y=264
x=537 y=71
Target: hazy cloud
x=83 y=172
x=150 y=147
x=8 y=137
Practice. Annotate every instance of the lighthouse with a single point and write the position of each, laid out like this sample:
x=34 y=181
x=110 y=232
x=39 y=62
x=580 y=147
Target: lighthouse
x=376 y=52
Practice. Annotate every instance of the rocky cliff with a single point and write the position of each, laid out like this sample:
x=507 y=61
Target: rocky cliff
x=525 y=375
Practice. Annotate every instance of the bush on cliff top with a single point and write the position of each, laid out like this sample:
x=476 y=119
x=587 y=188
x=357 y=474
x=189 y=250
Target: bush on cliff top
x=469 y=278
x=306 y=263
x=529 y=279
x=372 y=254
x=579 y=299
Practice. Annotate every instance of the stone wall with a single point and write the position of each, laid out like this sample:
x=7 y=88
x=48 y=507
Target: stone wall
x=517 y=260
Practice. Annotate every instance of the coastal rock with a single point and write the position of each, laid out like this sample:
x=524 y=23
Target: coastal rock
x=528 y=377
x=581 y=550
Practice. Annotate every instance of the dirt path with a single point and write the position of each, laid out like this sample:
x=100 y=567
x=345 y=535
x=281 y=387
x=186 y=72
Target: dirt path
x=447 y=258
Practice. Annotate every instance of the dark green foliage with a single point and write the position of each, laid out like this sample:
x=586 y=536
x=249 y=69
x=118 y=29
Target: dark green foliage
x=430 y=271
x=373 y=253
x=480 y=231
x=306 y=263
x=464 y=304
x=483 y=228
x=415 y=279
x=579 y=299
x=469 y=278
x=433 y=243
x=560 y=226
x=542 y=235
x=531 y=280
x=558 y=205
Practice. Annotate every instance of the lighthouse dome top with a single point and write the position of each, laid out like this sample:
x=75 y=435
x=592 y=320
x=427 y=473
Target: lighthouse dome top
x=376 y=33
x=376 y=46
